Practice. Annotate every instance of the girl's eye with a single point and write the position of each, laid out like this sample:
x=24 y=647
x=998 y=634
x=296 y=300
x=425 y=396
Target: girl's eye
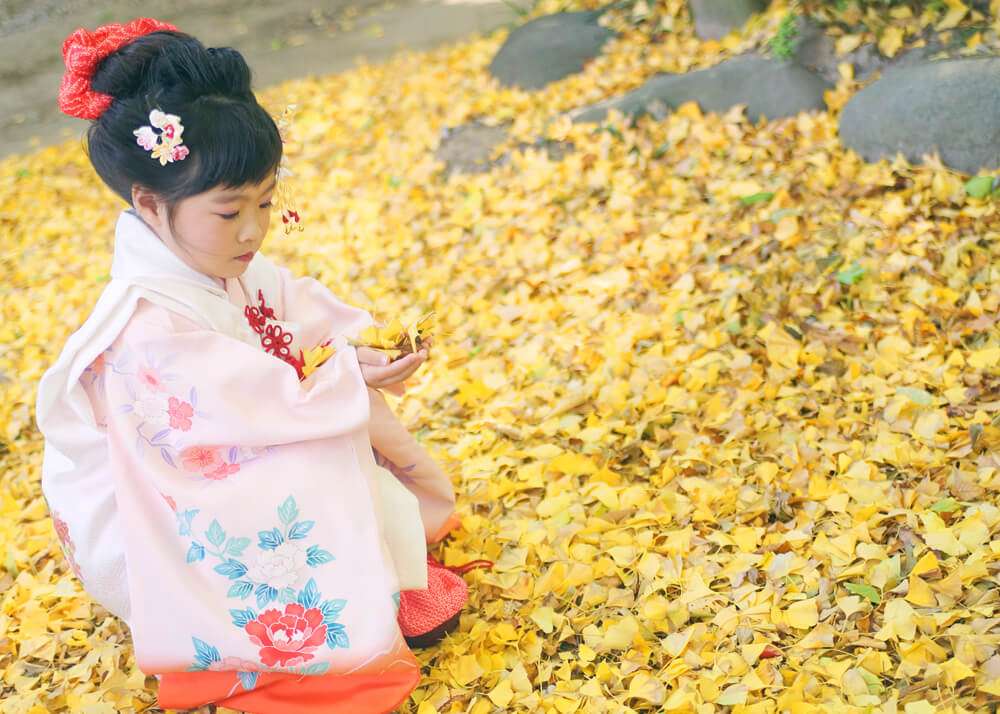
x=228 y=216
x=266 y=205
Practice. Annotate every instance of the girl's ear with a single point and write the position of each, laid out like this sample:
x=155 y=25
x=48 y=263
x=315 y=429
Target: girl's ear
x=149 y=207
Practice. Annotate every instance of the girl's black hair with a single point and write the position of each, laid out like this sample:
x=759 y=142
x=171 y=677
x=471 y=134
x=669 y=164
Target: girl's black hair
x=232 y=140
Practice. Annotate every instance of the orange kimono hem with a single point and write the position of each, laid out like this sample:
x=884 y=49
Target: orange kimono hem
x=362 y=692
x=371 y=690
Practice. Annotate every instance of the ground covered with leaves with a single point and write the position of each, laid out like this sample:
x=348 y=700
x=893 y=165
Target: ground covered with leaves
x=718 y=398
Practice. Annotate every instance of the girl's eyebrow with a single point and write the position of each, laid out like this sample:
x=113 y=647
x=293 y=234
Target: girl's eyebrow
x=233 y=195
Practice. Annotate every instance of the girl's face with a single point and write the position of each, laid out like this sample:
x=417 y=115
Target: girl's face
x=212 y=229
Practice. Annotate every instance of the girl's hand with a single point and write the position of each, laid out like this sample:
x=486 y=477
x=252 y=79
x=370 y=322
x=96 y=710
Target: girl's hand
x=380 y=373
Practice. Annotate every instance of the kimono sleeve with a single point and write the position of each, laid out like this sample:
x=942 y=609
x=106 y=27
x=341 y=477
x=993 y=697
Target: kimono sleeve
x=321 y=315
x=211 y=388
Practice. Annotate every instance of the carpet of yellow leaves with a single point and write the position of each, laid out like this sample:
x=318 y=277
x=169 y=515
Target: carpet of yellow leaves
x=727 y=454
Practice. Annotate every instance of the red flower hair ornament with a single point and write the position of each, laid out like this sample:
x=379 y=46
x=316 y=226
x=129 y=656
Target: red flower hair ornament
x=83 y=51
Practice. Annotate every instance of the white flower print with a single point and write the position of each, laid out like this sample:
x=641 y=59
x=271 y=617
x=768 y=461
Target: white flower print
x=279 y=568
x=152 y=408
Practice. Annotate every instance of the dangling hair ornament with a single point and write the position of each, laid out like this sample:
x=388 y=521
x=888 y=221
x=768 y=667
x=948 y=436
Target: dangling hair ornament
x=163 y=138
x=284 y=199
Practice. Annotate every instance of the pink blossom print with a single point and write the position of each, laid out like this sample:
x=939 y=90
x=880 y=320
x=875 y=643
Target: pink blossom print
x=180 y=414
x=200 y=458
x=161 y=406
x=150 y=379
x=224 y=471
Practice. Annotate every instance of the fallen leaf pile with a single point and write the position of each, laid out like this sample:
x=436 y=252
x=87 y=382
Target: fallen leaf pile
x=720 y=400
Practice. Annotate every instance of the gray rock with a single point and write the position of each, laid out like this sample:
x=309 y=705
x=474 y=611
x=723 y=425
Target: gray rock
x=467 y=148
x=815 y=50
x=549 y=48
x=717 y=18
x=951 y=106
x=770 y=88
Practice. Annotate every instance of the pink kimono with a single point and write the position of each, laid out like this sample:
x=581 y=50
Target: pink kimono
x=238 y=518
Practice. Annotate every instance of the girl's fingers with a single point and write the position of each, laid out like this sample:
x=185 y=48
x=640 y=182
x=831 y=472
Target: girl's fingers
x=367 y=355
x=394 y=373
x=399 y=388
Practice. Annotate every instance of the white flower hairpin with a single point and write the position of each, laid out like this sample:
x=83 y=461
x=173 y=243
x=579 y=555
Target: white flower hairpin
x=163 y=138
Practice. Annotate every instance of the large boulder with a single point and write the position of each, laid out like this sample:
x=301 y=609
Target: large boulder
x=770 y=88
x=951 y=107
x=717 y=18
x=469 y=148
x=549 y=48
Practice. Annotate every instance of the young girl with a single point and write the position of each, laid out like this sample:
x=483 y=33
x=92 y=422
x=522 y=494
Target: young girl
x=230 y=505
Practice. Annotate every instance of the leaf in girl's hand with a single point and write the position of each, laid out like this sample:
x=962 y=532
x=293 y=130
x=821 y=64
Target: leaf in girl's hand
x=316 y=356
x=397 y=339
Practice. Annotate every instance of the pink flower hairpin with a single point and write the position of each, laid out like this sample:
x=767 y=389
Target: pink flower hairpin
x=163 y=138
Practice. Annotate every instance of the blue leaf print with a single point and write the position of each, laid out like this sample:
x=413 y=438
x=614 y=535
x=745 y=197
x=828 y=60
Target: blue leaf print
x=216 y=536
x=317 y=556
x=269 y=540
x=232 y=455
x=248 y=680
x=195 y=553
x=287 y=596
x=288 y=511
x=193 y=398
x=159 y=435
x=265 y=594
x=205 y=654
x=184 y=521
x=309 y=595
x=336 y=636
x=300 y=530
x=235 y=546
x=233 y=569
x=240 y=589
x=242 y=617
x=124 y=408
x=166 y=457
x=331 y=610
x=317 y=668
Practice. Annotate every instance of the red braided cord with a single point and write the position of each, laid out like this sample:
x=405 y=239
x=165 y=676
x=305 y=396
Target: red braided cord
x=83 y=51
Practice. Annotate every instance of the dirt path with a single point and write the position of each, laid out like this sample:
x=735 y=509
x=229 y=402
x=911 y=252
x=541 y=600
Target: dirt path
x=281 y=40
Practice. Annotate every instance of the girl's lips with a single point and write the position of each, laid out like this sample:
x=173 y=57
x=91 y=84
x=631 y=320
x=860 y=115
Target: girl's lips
x=246 y=257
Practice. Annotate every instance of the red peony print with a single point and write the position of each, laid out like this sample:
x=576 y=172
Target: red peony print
x=62 y=531
x=200 y=458
x=180 y=414
x=289 y=638
x=222 y=472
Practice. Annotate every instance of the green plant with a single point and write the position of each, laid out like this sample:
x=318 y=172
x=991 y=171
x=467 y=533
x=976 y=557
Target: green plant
x=784 y=41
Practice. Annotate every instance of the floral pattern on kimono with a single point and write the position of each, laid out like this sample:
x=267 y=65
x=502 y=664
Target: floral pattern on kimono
x=303 y=621
x=154 y=400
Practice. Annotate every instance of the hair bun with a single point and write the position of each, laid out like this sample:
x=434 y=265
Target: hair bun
x=83 y=51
